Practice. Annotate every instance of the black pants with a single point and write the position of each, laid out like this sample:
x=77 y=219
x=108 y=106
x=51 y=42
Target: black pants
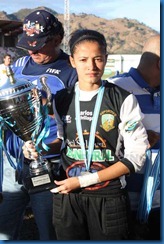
x=91 y=216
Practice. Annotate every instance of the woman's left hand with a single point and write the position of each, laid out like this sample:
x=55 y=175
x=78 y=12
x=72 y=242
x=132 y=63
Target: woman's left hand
x=66 y=186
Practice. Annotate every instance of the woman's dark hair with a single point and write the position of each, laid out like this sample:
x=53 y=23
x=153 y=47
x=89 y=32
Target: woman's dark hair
x=86 y=35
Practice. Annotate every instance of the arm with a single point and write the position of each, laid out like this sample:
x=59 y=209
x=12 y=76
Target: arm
x=112 y=172
x=133 y=132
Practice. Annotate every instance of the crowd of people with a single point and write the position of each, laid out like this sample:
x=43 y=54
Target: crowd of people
x=103 y=131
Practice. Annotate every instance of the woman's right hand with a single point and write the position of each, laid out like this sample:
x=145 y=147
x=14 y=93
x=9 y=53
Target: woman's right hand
x=29 y=150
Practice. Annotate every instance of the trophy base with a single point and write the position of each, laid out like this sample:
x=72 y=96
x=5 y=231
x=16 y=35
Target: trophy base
x=39 y=179
x=34 y=184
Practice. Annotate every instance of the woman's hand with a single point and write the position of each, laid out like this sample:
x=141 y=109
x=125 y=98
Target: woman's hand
x=66 y=186
x=29 y=150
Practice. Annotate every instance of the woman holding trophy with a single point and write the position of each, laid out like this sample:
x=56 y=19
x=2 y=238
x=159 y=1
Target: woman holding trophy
x=103 y=140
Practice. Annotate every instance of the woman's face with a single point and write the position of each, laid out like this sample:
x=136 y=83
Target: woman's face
x=89 y=59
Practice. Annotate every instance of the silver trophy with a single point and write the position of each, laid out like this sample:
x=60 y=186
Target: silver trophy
x=23 y=113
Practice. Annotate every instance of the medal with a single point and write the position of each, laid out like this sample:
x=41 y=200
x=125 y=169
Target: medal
x=84 y=173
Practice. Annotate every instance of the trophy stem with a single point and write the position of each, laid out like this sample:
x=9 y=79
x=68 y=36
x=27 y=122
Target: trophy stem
x=38 y=166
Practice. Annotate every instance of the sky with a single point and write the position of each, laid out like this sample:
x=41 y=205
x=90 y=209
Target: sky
x=145 y=11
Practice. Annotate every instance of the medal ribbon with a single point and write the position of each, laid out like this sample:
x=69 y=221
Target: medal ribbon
x=88 y=156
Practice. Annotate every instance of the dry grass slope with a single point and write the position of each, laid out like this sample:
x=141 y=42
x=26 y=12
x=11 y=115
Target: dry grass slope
x=124 y=36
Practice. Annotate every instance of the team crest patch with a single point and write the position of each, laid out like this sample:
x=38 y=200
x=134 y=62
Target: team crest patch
x=107 y=121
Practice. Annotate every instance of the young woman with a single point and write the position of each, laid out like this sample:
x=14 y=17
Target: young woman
x=103 y=140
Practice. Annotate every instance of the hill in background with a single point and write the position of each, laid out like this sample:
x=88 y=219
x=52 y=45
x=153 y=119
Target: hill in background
x=124 y=36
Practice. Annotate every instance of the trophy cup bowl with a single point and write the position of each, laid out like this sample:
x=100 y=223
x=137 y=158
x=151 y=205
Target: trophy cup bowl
x=22 y=112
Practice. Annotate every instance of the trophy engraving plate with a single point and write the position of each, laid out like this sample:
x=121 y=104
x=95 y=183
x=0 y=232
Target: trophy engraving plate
x=40 y=180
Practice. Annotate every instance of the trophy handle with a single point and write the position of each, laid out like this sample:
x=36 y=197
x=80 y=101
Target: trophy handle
x=46 y=88
x=10 y=75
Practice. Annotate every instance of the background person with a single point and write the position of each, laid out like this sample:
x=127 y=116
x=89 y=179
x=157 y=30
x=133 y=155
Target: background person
x=144 y=83
x=4 y=65
x=91 y=203
x=42 y=37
